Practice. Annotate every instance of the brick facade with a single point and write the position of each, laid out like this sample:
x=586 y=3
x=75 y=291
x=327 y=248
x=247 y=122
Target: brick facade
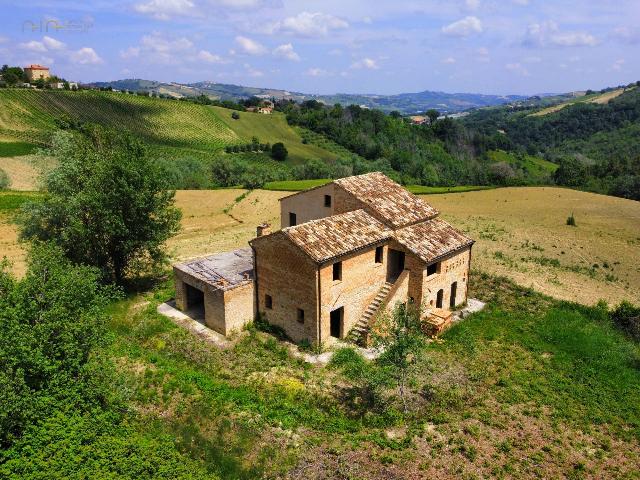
x=290 y=278
x=308 y=205
x=361 y=280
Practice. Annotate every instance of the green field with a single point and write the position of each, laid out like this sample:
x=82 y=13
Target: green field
x=15 y=149
x=295 y=185
x=171 y=127
x=537 y=168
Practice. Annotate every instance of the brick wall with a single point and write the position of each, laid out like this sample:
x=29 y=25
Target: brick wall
x=290 y=278
x=362 y=278
x=238 y=307
x=454 y=268
x=307 y=205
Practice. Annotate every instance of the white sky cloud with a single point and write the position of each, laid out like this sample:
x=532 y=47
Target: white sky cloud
x=287 y=52
x=548 y=33
x=365 y=63
x=165 y=9
x=307 y=24
x=317 y=72
x=86 y=56
x=518 y=69
x=208 y=57
x=463 y=28
x=250 y=47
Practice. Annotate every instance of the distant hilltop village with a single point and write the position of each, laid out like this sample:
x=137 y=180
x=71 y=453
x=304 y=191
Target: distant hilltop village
x=33 y=76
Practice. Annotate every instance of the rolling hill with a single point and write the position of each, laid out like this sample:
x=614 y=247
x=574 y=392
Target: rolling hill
x=406 y=103
x=168 y=125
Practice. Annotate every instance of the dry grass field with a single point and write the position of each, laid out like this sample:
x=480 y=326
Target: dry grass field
x=23 y=171
x=599 y=98
x=520 y=232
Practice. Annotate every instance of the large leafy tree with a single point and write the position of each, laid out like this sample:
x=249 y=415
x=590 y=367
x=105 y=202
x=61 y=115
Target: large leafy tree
x=107 y=204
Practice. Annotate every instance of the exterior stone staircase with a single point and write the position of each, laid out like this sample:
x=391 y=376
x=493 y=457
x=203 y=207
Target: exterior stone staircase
x=358 y=334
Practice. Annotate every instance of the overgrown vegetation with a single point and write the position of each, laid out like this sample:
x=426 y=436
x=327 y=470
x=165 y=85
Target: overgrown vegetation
x=595 y=145
x=5 y=181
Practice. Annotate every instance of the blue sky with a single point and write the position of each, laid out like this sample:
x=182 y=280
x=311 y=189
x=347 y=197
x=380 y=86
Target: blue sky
x=328 y=46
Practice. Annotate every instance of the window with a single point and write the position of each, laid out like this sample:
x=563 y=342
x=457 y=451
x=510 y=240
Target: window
x=337 y=271
x=268 y=302
x=379 y=252
x=432 y=269
x=292 y=219
x=300 y=315
x=327 y=200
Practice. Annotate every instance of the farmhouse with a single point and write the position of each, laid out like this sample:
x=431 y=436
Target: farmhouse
x=36 y=72
x=346 y=251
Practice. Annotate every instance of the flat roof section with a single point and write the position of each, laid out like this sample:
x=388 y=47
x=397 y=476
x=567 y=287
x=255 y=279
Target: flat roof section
x=223 y=271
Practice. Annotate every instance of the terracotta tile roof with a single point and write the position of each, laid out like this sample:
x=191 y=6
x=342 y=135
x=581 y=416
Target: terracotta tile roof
x=333 y=236
x=432 y=239
x=387 y=200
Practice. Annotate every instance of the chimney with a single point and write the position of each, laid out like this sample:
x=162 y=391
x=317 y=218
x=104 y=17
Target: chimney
x=263 y=229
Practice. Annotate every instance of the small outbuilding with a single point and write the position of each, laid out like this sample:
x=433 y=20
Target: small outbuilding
x=218 y=289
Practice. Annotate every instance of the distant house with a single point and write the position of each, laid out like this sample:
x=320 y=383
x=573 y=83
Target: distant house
x=57 y=85
x=36 y=72
x=419 y=119
x=265 y=110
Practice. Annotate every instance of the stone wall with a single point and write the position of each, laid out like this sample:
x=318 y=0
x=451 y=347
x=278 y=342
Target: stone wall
x=238 y=307
x=454 y=268
x=224 y=310
x=307 y=205
x=361 y=281
x=291 y=279
x=399 y=293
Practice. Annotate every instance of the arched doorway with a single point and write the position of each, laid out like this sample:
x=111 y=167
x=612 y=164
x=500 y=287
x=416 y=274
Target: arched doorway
x=439 y=297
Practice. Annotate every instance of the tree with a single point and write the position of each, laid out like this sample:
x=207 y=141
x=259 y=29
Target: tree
x=571 y=172
x=400 y=337
x=107 y=204
x=52 y=321
x=433 y=115
x=279 y=151
x=235 y=115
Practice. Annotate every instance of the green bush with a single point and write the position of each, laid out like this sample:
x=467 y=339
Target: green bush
x=4 y=180
x=279 y=152
x=627 y=317
x=571 y=220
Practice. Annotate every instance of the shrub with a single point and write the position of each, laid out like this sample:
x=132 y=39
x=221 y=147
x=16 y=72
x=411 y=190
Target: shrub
x=235 y=115
x=279 y=151
x=4 y=180
x=627 y=317
x=571 y=221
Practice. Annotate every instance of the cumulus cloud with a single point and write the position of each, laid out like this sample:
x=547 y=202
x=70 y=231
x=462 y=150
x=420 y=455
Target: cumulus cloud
x=464 y=27
x=448 y=60
x=208 y=57
x=287 y=52
x=165 y=9
x=250 y=47
x=482 y=54
x=86 y=56
x=33 y=46
x=549 y=34
x=53 y=44
x=307 y=24
x=365 y=63
x=158 y=49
